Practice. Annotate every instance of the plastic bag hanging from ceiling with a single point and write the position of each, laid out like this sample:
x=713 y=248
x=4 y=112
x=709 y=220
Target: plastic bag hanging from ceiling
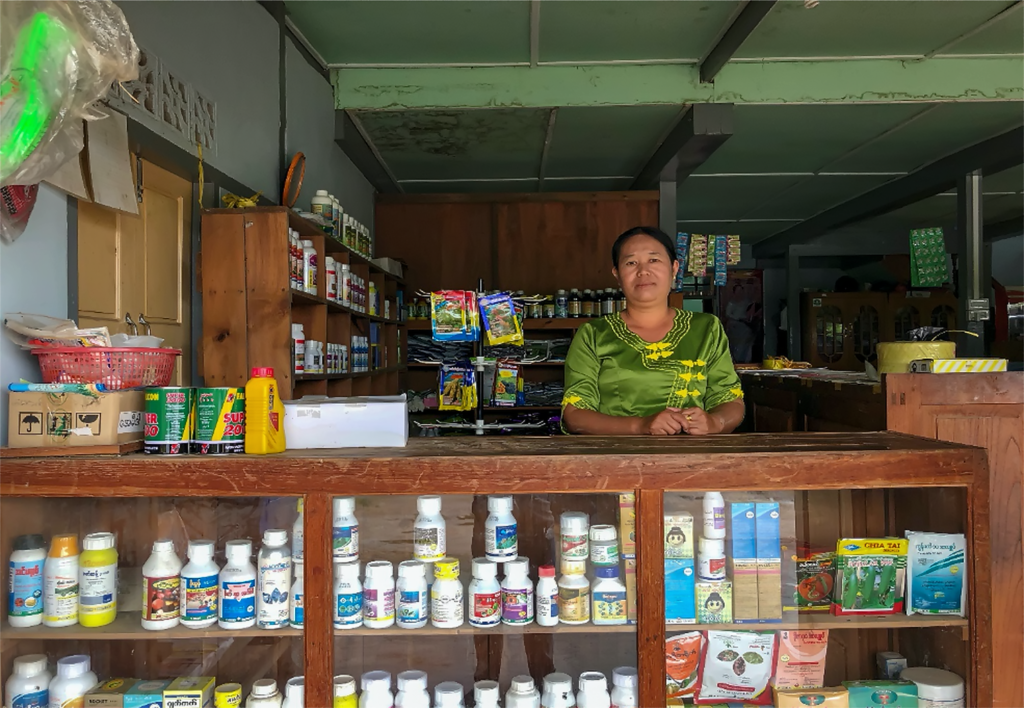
x=57 y=59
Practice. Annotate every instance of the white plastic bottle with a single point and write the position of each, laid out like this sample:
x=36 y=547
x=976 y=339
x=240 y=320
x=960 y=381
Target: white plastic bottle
x=323 y=205
x=501 y=533
x=296 y=598
x=379 y=595
x=236 y=587
x=346 y=530
x=609 y=596
x=299 y=348
x=447 y=605
x=593 y=691
x=522 y=693
x=624 y=687
x=264 y=694
x=348 y=596
x=412 y=690
x=484 y=594
x=295 y=693
x=74 y=679
x=376 y=687
x=486 y=694
x=29 y=684
x=275 y=580
x=575 y=529
x=574 y=593
x=517 y=593
x=161 y=587
x=604 y=545
x=448 y=694
x=428 y=532
x=557 y=692
x=547 y=597
x=298 y=531
x=60 y=582
x=25 y=586
x=714 y=515
x=308 y=267
x=199 y=586
x=411 y=597
x=711 y=559
x=345 y=692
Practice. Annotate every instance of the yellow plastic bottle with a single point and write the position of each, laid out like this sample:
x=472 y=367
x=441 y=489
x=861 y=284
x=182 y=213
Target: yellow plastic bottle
x=264 y=414
x=97 y=581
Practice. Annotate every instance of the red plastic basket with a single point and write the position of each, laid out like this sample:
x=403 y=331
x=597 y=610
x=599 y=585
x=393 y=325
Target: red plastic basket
x=116 y=368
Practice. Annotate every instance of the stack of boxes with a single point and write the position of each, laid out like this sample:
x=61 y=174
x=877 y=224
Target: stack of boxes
x=680 y=574
x=627 y=546
x=189 y=692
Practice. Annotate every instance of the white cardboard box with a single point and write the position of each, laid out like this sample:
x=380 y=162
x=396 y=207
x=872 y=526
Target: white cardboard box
x=322 y=423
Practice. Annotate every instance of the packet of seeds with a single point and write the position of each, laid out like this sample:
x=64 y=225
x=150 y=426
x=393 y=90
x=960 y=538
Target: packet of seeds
x=870 y=575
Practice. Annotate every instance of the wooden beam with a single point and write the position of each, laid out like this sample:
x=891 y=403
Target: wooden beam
x=354 y=141
x=745 y=23
x=703 y=129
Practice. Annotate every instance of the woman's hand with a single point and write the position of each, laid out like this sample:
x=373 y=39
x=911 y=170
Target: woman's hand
x=696 y=421
x=669 y=422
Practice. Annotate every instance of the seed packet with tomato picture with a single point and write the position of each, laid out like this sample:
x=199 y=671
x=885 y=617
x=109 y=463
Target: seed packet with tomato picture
x=815 y=578
x=682 y=663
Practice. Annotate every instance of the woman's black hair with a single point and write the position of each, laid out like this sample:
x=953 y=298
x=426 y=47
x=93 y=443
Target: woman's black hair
x=654 y=232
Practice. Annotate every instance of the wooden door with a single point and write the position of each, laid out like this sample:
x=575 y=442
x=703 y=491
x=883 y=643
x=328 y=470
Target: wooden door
x=141 y=264
x=986 y=410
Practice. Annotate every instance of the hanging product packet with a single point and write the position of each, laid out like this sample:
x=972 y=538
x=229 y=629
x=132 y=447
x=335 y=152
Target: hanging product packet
x=452 y=316
x=500 y=321
x=737 y=666
x=507 y=383
x=682 y=252
x=457 y=385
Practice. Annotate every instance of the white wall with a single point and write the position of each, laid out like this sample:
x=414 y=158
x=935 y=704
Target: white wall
x=310 y=130
x=34 y=279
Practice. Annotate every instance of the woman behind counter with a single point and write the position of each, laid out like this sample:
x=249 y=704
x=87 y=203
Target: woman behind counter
x=650 y=369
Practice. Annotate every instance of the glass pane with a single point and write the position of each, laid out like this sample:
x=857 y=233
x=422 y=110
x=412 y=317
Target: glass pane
x=944 y=316
x=906 y=319
x=829 y=323
x=500 y=618
x=865 y=333
x=810 y=587
x=88 y=581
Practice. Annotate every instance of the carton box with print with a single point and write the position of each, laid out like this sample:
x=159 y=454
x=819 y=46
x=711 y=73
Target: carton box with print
x=680 y=591
x=109 y=694
x=146 y=694
x=627 y=525
x=190 y=692
x=38 y=419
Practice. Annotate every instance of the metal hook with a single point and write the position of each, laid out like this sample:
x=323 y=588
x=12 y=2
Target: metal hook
x=132 y=329
x=142 y=321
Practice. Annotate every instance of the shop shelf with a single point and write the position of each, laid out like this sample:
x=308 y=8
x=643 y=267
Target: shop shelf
x=128 y=625
x=500 y=630
x=805 y=622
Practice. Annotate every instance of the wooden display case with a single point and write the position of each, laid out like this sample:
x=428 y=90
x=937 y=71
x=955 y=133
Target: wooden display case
x=856 y=484
x=249 y=306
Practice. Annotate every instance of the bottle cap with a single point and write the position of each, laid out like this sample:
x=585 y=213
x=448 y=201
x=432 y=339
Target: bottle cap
x=557 y=682
x=262 y=372
x=30 y=664
x=163 y=545
x=935 y=684
x=546 y=571
x=411 y=569
x=29 y=542
x=376 y=679
x=523 y=684
x=575 y=521
x=574 y=567
x=484 y=569
x=518 y=566
x=379 y=570
x=447 y=693
x=711 y=546
x=497 y=505
x=98 y=541
x=607 y=571
x=486 y=691
x=429 y=505
x=262 y=688
x=561 y=292
x=321 y=192
x=344 y=685
x=625 y=676
x=74 y=665
x=64 y=546
x=238 y=549
x=593 y=681
x=412 y=681
x=296 y=686
x=603 y=532
x=446 y=569
x=344 y=506
x=275 y=537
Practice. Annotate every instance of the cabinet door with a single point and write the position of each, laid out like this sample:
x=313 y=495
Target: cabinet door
x=867 y=330
x=825 y=342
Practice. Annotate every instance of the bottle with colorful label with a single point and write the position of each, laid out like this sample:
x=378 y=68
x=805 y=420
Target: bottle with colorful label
x=60 y=582
x=348 y=596
x=236 y=594
x=345 y=531
x=25 y=586
x=199 y=586
x=484 y=594
x=501 y=532
x=264 y=414
x=97 y=581
x=161 y=587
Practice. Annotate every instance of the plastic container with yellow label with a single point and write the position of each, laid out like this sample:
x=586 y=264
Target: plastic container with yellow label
x=97 y=581
x=264 y=414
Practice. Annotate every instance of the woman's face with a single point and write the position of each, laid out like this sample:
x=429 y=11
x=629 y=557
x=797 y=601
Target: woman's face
x=645 y=273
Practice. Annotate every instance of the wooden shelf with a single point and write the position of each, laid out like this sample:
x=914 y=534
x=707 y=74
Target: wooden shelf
x=567 y=324
x=128 y=625
x=827 y=621
x=503 y=629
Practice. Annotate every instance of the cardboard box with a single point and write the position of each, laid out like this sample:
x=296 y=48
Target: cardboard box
x=769 y=562
x=146 y=694
x=74 y=419
x=963 y=365
x=678 y=535
x=329 y=423
x=743 y=560
x=109 y=694
x=882 y=694
x=627 y=524
x=630 y=590
x=191 y=692
x=714 y=602
x=680 y=591
x=890 y=664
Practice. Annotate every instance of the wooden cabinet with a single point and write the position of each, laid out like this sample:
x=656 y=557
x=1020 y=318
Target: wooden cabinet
x=842 y=330
x=829 y=485
x=249 y=306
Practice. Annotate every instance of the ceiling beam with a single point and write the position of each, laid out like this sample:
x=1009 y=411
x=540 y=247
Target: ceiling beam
x=534 y=32
x=993 y=155
x=548 y=135
x=768 y=82
x=356 y=143
x=703 y=129
x=998 y=17
x=1003 y=229
x=745 y=23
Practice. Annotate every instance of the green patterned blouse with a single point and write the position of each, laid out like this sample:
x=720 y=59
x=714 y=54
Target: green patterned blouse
x=611 y=370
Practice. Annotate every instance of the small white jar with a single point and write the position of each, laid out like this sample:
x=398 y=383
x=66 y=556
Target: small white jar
x=412 y=690
x=609 y=597
x=428 y=532
x=604 y=545
x=574 y=593
x=936 y=688
x=376 y=687
x=448 y=694
x=411 y=597
x=711 y=559
x=625 y=693
x=264 y=694
x=522 y=693
x=295 y=693
x=501 y=532
x=348 y=596
x=447 y=602
x=379 y=595
x=714 y=515
x=557 y=692
x=161 y=587
x=593 y=691
x=484 y=594
x=345 y=529
x=575 y=535
x=29 y=684
x=486 y=694
x=546 y=597
x=517 y=593
x=199 y=586
x=74 y=679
